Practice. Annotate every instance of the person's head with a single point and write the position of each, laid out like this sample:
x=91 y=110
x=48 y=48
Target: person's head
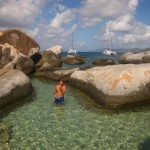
x=61 y=82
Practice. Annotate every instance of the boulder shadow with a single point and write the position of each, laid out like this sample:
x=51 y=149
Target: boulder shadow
x=145 y=144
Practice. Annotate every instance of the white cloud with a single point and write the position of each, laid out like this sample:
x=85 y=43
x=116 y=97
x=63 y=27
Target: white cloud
x=51 y=22
x=124 y=28
x=140 y=33
x=60 y=28
x=62 y=18
x=60 y=7
x=33 y=33
x=19 y=13
x=139 y=37
x=122 y=24
x=57 y=24
x=95 y=11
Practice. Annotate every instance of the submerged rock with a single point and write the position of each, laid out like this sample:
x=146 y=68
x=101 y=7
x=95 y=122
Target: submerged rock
x=61 y=74
x=115 y=85
x=20 y=40
x=102 y=61
x=65 y=73
x=11 y=58
x=14 y=85
x=135 y=58
x=5 y=132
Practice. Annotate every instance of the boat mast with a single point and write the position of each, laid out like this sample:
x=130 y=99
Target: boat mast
x=72 y=41
x=111 y=42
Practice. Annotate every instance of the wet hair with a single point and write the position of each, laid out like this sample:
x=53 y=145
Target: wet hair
x=61 y=81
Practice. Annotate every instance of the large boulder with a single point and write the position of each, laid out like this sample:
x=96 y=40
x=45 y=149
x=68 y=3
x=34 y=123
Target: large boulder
x=20 y=40
x=14 y=85
x=102 y=61
x=135 y=58
x=51 y=58
x=11 y=58
x=74 y=59
x=115 y=85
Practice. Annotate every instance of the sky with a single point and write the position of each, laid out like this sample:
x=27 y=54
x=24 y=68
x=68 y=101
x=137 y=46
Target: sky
x=92 y=22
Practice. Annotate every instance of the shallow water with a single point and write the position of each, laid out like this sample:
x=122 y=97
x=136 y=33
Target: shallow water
x=78 y=124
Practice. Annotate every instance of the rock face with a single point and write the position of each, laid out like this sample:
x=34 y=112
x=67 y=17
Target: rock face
x=102 y=61
x=115 y=85
x=14 y=85
x=33 y=51
x=74 y=59
x=19 y=40
x=135 y=58
x=11 y=58
x=50 y=58
x=63 y=74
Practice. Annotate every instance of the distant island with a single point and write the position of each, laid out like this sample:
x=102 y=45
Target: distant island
x=121 y=50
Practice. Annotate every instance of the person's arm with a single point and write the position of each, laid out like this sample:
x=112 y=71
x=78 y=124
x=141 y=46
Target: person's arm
x=63 y=90
x=55 y=91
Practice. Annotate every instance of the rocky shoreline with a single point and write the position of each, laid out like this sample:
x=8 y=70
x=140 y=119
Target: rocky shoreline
x=107 y=83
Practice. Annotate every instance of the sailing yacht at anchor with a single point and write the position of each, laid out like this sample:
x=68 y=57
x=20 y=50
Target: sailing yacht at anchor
x=72 y=50
x=109 y=51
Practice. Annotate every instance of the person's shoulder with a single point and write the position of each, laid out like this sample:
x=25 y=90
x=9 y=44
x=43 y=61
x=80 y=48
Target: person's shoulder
x=57 y=86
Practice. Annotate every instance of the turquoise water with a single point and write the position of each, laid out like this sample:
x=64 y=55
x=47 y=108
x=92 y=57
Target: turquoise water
x=79 y=124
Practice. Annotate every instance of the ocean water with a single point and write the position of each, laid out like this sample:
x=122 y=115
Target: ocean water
x=91 y=56
x=36 y=123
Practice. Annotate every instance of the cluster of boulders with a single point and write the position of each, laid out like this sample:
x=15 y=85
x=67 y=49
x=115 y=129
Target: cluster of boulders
x=108 y=84
x=19 y=57
x=15 y=64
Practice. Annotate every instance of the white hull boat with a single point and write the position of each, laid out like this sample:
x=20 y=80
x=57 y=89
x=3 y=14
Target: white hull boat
x=72 y=50
x=109 y=52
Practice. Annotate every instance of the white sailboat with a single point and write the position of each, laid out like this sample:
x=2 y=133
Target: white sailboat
x=72 y=50
x=109 y=51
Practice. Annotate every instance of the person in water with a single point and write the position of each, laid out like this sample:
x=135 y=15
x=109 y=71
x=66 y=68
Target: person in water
x=59 y=92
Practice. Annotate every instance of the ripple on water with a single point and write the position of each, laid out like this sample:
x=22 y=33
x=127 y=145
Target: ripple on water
x=78 y=124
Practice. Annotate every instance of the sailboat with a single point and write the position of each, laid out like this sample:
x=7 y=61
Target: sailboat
x=72 y=50
x=109 y=51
